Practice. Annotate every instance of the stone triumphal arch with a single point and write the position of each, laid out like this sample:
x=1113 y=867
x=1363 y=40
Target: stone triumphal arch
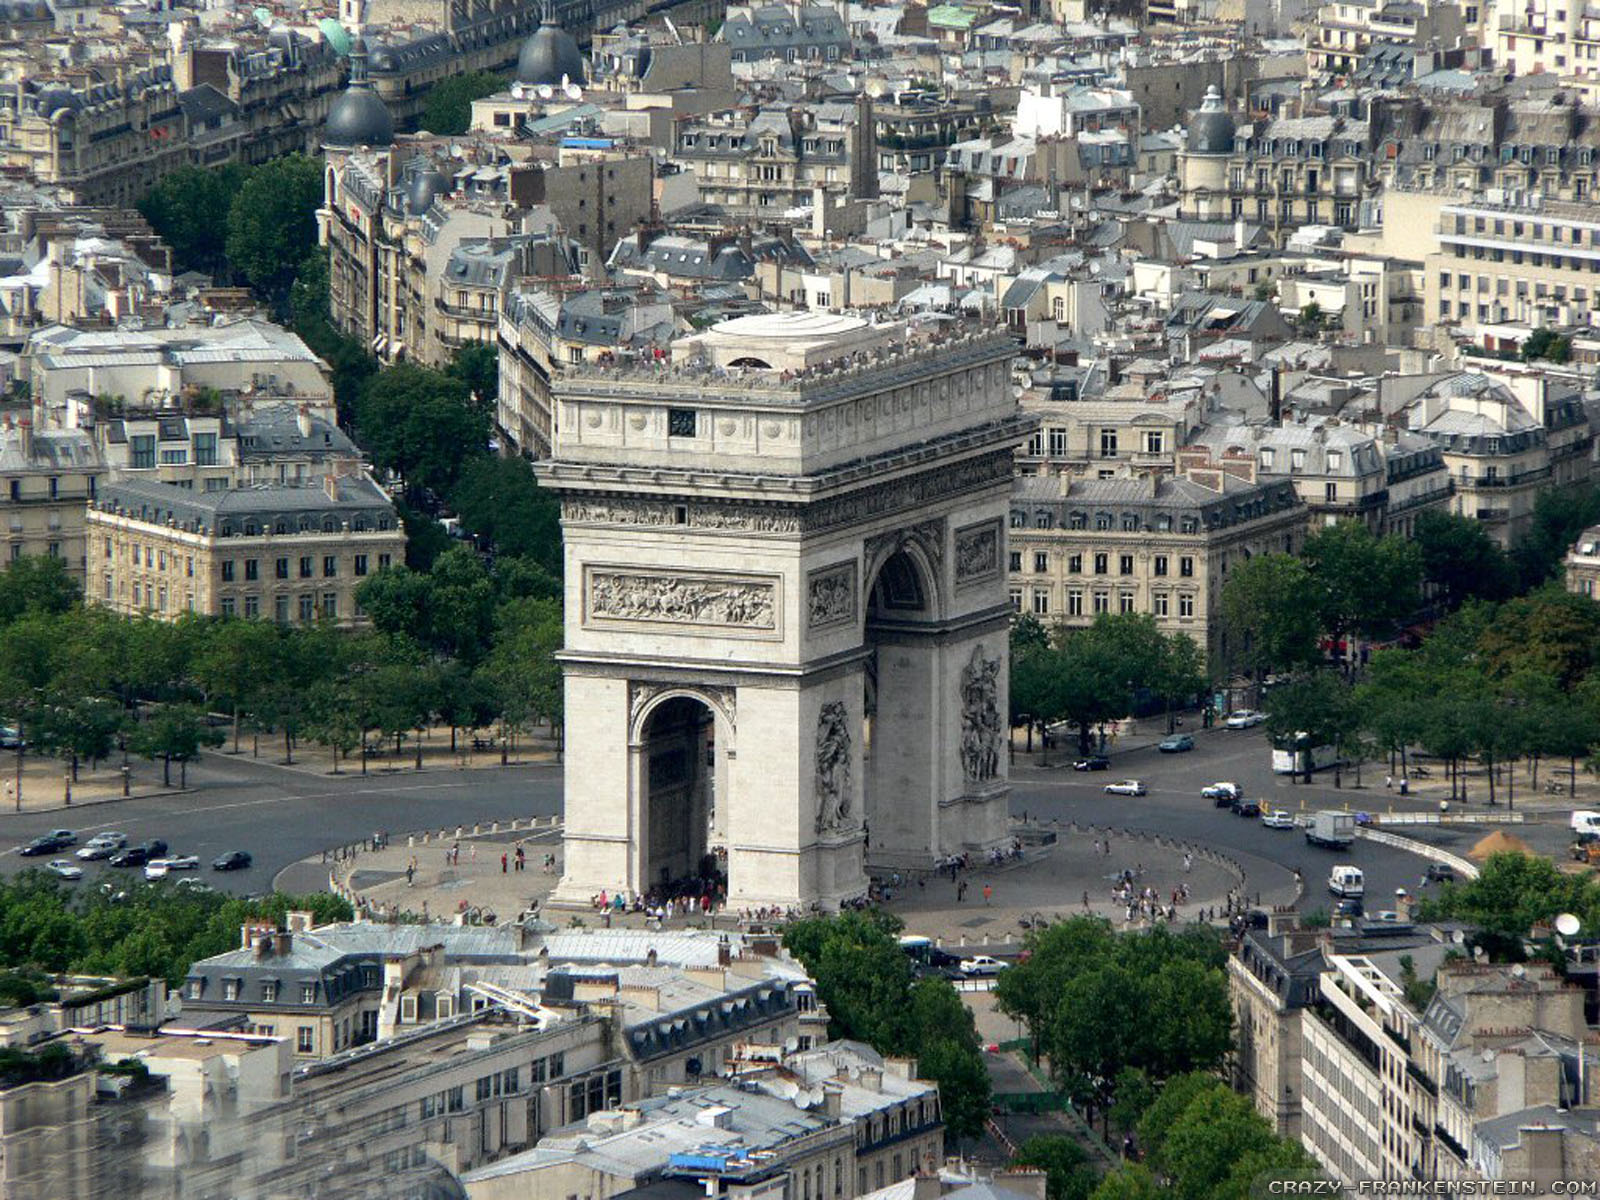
x=786 y=612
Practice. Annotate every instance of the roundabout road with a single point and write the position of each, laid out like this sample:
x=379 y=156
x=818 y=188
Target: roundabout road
x=282 y=816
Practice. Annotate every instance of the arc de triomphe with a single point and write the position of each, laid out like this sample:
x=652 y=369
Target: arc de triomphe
x=786 y=611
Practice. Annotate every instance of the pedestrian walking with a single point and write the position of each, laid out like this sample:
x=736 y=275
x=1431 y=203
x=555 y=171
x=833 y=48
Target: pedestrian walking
x=410 y=873
x=1086 y=902
x=1388 y=782
x=1405 y=786
x=1188 y=862
x=503 y=859
x=987 y=893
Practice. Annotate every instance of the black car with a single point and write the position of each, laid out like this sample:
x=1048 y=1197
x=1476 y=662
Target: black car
x=1440 y=873
x=1349 y=908
x=154 y=848
x=44 y=844
x=1095 y=762
x=233 y=860
x=1246 y=807
x=133 y=856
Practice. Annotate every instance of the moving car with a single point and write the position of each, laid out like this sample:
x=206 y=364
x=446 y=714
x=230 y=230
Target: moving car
x=195 y=885
x=45 y=843
x=1244 y=718
x=159 y=868
x=102 y=845
x=1278 y=818
x=1331 y=828
x=1348 y=908
x=1439 y=873
x=1095 y=762
x=1176 y=744
x=1126 y=787
x=64 y=868
x=233 y=860
x=65 y=836
x=1246 y=807
x=982 y=964
x=1223 y=794
x=10 y=737
x=133 y=856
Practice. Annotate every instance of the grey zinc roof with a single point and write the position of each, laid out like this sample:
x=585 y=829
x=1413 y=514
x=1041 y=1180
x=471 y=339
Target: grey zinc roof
x=210 y=512
x=272 y=430
x=52 y=449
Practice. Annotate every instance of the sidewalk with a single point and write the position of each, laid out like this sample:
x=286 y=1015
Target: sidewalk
x=474 y=749
x=48 y=786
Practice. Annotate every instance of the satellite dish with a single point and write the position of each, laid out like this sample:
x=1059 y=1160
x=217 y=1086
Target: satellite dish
x=546 y=91
x=1519 y=971
x=1567 y=925
x=518 y=91
x=573 y=91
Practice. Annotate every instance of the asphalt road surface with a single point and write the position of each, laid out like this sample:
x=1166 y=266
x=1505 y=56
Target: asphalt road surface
x=1174 y=808
x=282 y=816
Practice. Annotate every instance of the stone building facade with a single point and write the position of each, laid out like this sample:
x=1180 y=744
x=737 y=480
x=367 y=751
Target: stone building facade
x=281 y=552
x=792 y=539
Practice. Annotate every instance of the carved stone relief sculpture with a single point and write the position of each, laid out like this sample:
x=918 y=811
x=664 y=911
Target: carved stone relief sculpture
x=833 y=768
x=982 y=727
x=680 y=600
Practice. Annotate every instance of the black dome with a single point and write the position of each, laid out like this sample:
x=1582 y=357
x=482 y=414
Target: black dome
x=1211 y=130
x=549 y=55
x=424 y=186
x=358 y=117
x=53 y=99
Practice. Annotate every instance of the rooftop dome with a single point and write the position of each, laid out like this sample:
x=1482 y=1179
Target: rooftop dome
x=358 y=117
x=424 y=187
x=549 y=56
x=1211 y=129
x=52 y=99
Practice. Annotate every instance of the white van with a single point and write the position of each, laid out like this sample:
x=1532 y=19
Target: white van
x=1585 y=821
x=1347 y=882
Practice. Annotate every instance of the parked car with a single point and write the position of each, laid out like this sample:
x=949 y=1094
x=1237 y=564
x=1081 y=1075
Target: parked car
x=64 y=868
x=102 y=845
x=1095 y=762
x=1126 y=787
x=1246 y=807
x=1278 y=818
x=133 y=856
x=1439 y=873
x=1176 y=744
x=10 y=737
x=45 y=843
x=983 y=964
x=1244 y=718
x=1222 y=794
x=233 y=860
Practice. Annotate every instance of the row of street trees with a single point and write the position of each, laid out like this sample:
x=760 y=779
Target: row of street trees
x=1090 y=676
x=464 y=645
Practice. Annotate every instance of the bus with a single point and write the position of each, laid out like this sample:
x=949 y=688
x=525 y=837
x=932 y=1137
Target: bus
x=1297 y=756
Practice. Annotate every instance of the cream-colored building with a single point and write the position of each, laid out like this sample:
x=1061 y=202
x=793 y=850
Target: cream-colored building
x=1154 y=543
x=49 y=475
x=1583 y=563
x=747 y=532
x=281 y=552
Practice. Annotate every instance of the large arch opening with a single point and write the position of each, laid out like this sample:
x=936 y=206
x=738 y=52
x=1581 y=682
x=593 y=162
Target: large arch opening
x=899 y=752
x=680 y=799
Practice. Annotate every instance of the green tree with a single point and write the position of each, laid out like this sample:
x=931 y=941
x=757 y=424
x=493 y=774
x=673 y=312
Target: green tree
x=501 y=503
x=36 y=584
x=421 y=424
x=1131 y=1181
x=1546 y=344
x=1553 y=632
x=1559 y=516
x=189 y=208
x=447 y=108
x=1265 y=612
x=174 y=733
x=1068 y=1173
x=1323 y=706
x=1031 y=989
x=1362 y=584
x=1512 y=893
x=233 y=666
x=477 y=365
x=1460 y=561
x=272 y=223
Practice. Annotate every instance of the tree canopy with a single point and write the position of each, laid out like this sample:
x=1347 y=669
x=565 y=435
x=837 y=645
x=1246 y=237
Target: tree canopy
x=447 y=108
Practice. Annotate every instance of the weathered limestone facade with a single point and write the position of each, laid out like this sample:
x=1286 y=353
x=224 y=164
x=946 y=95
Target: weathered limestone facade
x=786 y=606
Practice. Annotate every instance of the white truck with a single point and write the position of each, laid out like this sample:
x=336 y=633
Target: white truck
x=1347 y=883
x=1335 y=830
